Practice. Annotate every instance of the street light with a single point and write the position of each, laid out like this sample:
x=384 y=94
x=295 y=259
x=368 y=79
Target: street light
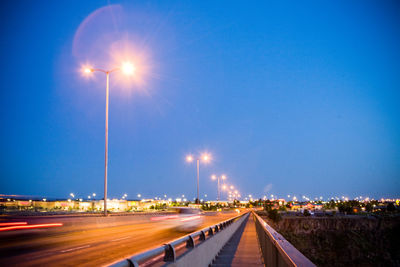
x=128 y=69
x=223 y=177
x=204 y=157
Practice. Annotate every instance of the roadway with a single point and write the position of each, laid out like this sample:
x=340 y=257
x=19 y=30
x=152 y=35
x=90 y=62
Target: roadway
x=88 y=241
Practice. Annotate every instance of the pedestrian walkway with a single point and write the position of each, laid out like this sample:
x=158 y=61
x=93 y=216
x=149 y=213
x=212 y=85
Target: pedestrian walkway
x=242 y=249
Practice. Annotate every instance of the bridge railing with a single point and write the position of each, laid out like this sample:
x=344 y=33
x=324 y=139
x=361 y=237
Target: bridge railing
x=180 y=249
x=276 y=250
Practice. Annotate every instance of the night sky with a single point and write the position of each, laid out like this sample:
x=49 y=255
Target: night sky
x=287 y=97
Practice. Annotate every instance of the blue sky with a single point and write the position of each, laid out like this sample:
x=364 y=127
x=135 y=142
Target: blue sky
x=288 y=97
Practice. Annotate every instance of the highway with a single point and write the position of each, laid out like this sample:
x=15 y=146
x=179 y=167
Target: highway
x=88 y=241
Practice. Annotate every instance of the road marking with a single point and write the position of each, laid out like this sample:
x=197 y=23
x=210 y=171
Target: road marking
x=72 y=249
x=122 y=238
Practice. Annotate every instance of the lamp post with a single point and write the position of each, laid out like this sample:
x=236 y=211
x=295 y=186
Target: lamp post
x=205 y=158
x=128 y=69
x=223 y=177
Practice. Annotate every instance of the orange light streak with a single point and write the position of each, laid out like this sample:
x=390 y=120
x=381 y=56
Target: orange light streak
x=33 y=226
x=12 y=223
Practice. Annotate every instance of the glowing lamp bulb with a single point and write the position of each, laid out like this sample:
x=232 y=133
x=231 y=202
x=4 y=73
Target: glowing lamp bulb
x=189 y=158
x=205 y=157
x=128 y=68
x=87 y=70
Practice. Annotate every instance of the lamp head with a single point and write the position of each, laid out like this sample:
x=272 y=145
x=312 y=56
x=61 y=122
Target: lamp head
x=189 y=158
x=128 y=68
x=87 y=70
x=206 y=157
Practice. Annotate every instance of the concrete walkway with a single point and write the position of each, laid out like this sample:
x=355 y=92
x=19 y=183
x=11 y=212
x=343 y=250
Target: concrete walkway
x=242 y=249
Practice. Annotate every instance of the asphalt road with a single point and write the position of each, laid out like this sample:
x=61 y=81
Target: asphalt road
x=88 y=241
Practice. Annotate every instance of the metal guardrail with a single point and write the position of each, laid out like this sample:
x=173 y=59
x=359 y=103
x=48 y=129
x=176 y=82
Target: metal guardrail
x=168 y=252
x=276 y=250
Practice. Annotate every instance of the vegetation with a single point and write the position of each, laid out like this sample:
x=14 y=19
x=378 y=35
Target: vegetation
x=274 y=215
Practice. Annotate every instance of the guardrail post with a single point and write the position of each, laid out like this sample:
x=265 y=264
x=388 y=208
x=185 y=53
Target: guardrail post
x=132 y=263
x=169 y=253
x=210 y=231
x=190 y=242
x=202 y=236
x=216 y=229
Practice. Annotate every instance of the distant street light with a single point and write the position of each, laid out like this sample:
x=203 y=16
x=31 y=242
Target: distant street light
x=128 y=69
x=205 y=158
x=214 y=177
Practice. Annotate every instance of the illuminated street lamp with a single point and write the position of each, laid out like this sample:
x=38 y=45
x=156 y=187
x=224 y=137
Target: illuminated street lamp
x=205 y=158
x=128 y=69
x=223 y=177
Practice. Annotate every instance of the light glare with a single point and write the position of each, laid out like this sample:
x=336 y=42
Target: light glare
x=206 y=157
x=128 y=68
x=189 y=158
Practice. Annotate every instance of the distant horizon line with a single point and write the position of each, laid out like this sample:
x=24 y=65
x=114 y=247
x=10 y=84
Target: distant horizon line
x=37 y=197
